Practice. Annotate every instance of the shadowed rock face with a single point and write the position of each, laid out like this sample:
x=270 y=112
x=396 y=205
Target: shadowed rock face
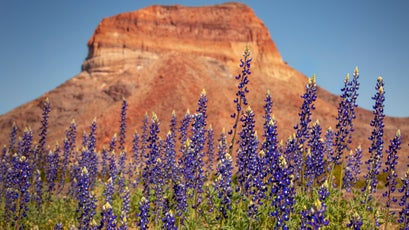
x=160 y=58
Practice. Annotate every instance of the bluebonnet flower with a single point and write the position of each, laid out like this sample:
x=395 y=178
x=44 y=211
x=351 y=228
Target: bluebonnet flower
x=209 y=152
x=109 y=190
x=144 y=140
x=86 y=199
x=346 y=115
x=52 y=169
x=38 y=190
x=121 y=170
x=355 y=222
x=125 y=195
x=171 y=175
x=43 y=132
x=58 y=226
x=143 y=214
x=316 y=169
x=135 y=166
x=303 y=128
x=315 y=216
x=270 y=144
x=240 y=99
x=282 y=193
x=183 y=131
x=352 y=168
x=122 y=128
x=224 y=176
x=13 y=137
x=108 y=220
x=329 y=147
x=202 y=105
x=376 y=149
x=404 y=201
x=112 y=167
x=24 y=177
x=24 y=144
x=391 y=162
x=180 y=197
x=247 y=153
x=169 y=221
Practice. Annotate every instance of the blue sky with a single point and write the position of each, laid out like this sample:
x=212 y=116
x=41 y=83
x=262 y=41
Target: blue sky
x=43 y=43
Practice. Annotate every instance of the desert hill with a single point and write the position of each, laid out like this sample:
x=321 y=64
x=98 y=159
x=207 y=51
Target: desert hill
x=161 y=57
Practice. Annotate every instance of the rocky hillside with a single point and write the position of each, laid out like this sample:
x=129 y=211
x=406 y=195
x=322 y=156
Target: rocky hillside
x=161 y=57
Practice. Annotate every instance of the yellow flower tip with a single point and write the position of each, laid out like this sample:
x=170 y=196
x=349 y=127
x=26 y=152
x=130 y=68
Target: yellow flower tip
x=143 y=199
x=94 y=223
x=308 y=152
x=317 y=122
x=106 y=206
x=356 y=70
x=187 y=142
x=95 y=119
x=158 y=160
x=203 y=93
x=318 y=204
x=313 y=79
x=110 y=180
x=381 y=90
x=271 y=122
x=227 y=156
x=47 y=100
x=170 y=213
x=351 y=152
x=397 y=133
x=268 y=93
x=73 y=121
x=84 y=170
x=224 y=131
x=380 y=79
x=23 y=158
x=281 y=143
x=188 y=112
x=282 y=162
x=154 y=117
x=173 y=113
x=248 y=109
x=347 y=77
x=262 y=153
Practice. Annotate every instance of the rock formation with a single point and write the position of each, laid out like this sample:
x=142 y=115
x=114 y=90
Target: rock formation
x=160 y=58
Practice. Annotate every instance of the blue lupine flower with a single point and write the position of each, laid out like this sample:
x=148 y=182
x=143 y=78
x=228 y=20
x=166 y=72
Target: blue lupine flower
x=43 y=132
x=121 y=170
x=108 y=220
x=316 y=168
x=58 y=226
x=352 y=168
x=143 y=214
x=38 y=189
x=376 y=149
x=172 y=174
x=247 y=153
x=122 y=128
x=125 y=195
x=13 y=135
x=52 y=169
x=202 y=104
x=303 y=128
x=355 y=222
x=240 y=99
x=329 y=147
x=169 y=221
x=224 y=176
x=346 y=115
x=109 y=190
x=404 y=201
x=86 y=199
x=135 y=166
x=314 y=217
x=180 y=197
x=391 y=162
x=144 y=140
x=209 y=152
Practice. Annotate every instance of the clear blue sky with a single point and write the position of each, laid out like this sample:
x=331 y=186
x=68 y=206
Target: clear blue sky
x=43 y=43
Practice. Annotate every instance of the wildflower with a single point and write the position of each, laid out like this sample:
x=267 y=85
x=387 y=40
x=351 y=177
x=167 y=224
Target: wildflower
x=52 y=169
x=352 y=168
x=143 y=214
x=355 y=222
x=86 y=199
x=108 y=217
x=303 y=128
x=376 y=148
x=315 y=216
x=346 y=115
x=134 y=167
x=404 y=201
x=209 y=152
x=109 y=190
x=316 y=168
x=13 y=134
x=125 y=208
x=240 y=99
x=43 y=131
x=224 y=176
x=391 y=162
x=122 y=128
x=329 y=147
x=169 y=221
